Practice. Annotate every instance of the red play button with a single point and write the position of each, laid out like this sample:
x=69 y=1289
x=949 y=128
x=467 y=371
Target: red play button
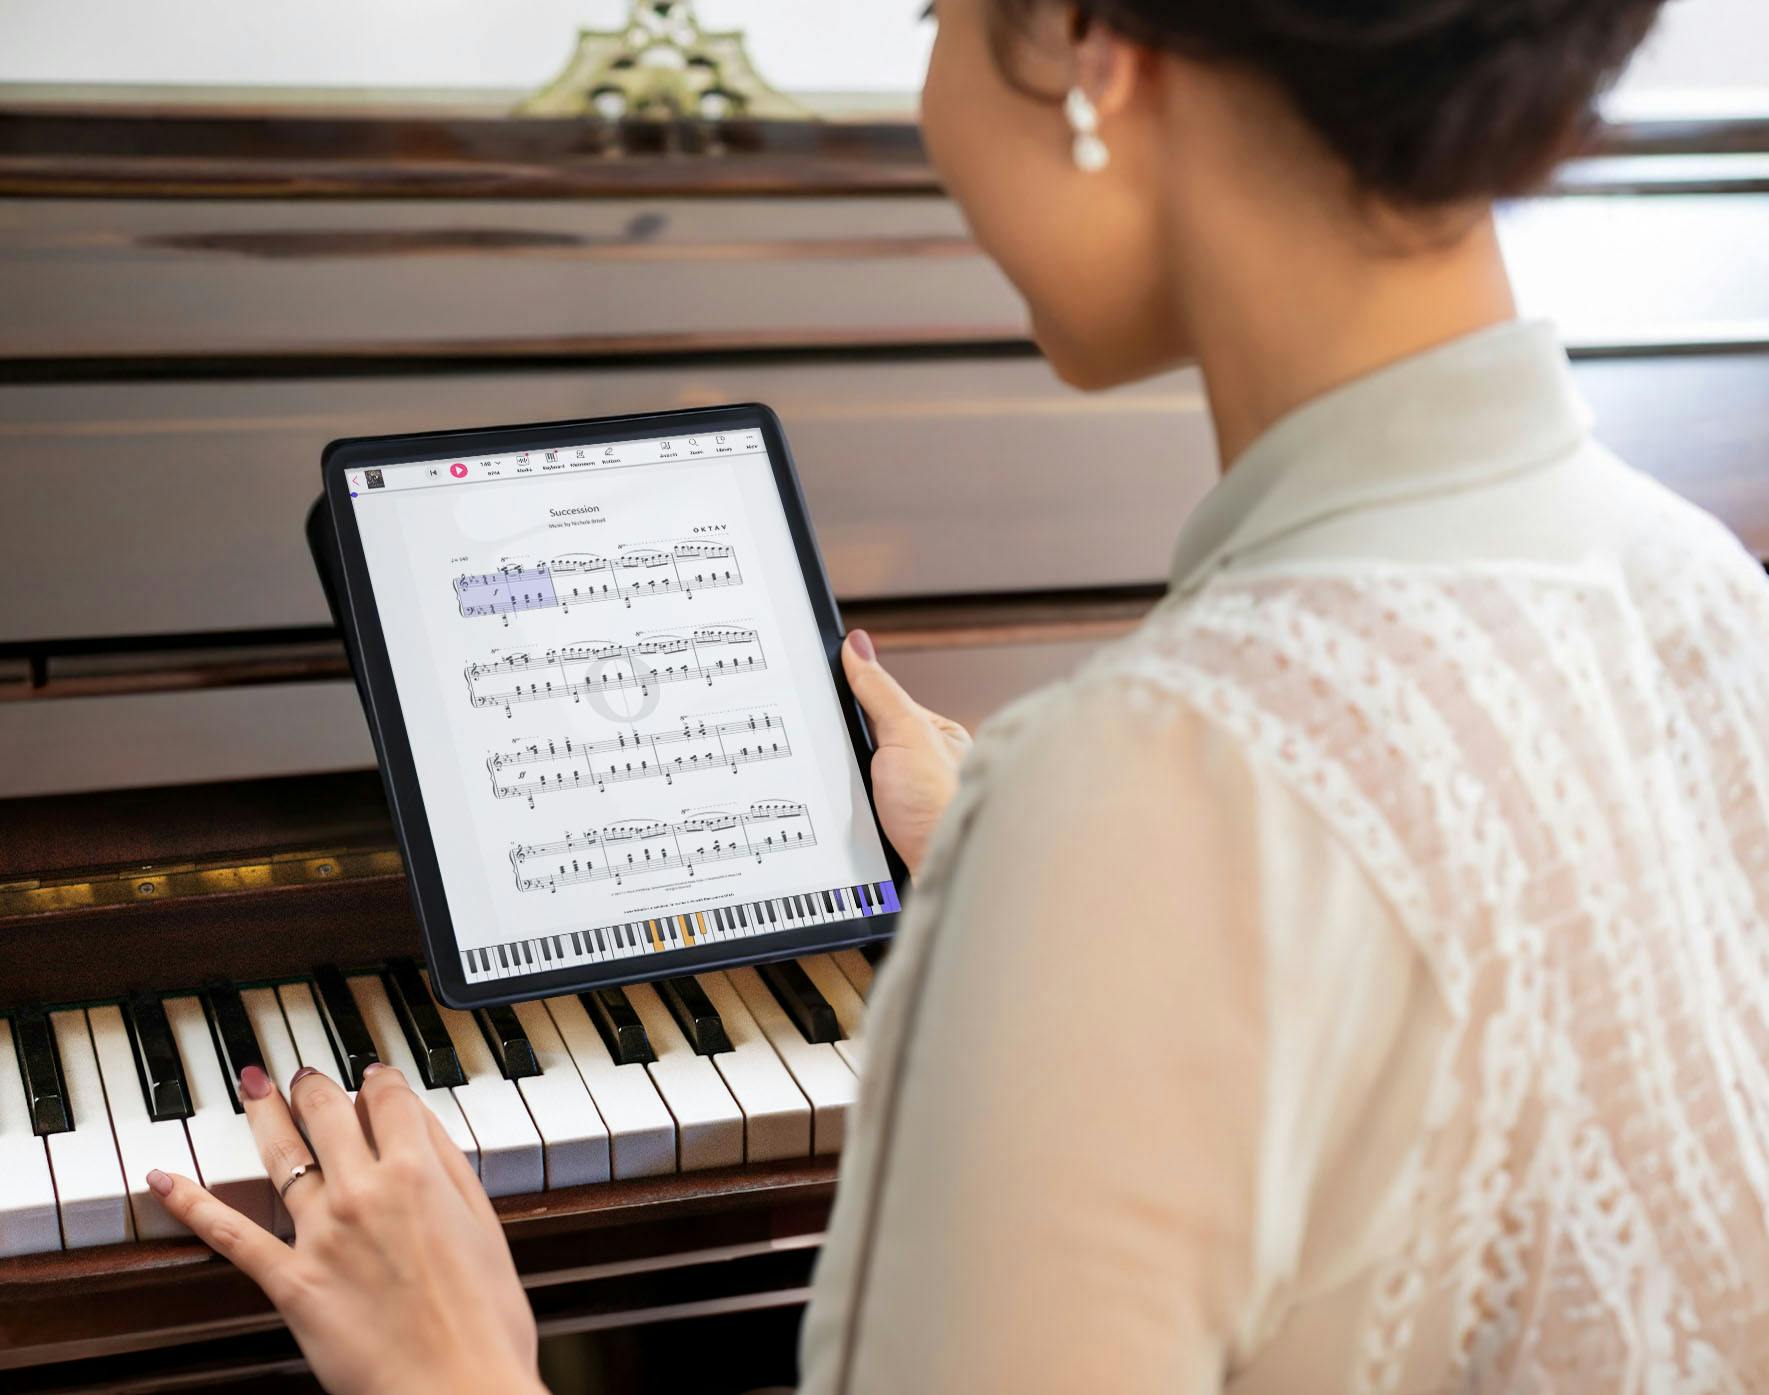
x=458 y=470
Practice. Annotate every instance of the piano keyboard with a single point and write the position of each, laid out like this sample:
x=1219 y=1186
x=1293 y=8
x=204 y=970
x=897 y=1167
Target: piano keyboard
x=736 y=920
x=711 y=1070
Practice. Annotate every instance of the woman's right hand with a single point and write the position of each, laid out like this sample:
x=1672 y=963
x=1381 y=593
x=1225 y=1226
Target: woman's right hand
x=400 y=1281
x=915 y=769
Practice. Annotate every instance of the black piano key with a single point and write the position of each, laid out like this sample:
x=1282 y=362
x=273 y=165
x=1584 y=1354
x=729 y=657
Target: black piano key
x=231 y=1028
x=527 y=953
x=157 y=1061
x=695 y=1015
x=431 y=1046
x=829 y=903
x=509 y=1043
x=742 y=919
x=805 y=1005
x=504 y=956
x=622 y=1031
x=351 y=1040
x=39 y=1065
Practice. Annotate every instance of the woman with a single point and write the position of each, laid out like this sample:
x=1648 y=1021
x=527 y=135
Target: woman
x=1356 y=978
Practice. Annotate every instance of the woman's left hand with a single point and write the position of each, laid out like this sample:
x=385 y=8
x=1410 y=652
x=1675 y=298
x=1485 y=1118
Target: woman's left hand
x=399 y=1278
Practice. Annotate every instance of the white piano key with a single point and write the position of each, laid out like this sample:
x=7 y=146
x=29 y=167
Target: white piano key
x=28 y=1223
x=641 y=1131
x=220 y=1140
x=143 y=1143
x=857 y=969
x=709 y=1125
x=559 y=1102
x=390 y=1044
x=826 y=1080
x=776 y=1114
x=511 y=1162
x=90 y=1196
x=307 y=1030
x=850 y=1011
x=281 y=1061
x=282 y=1058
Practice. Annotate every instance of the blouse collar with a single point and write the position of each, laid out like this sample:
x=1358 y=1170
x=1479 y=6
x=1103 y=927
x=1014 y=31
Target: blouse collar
x=1490 y=404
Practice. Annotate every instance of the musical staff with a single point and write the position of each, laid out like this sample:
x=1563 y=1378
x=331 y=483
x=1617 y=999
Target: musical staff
x=604 y=666
x=636 y=848
x=584 y=578
x=553 y=767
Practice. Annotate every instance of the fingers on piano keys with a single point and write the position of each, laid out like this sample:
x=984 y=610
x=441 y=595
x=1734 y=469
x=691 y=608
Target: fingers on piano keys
x=712 y=1070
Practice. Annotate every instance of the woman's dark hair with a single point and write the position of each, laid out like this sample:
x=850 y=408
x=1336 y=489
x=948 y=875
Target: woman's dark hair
x=1428 y=102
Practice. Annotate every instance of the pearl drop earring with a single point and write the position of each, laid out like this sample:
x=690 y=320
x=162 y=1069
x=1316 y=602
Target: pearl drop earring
x=1089 y=151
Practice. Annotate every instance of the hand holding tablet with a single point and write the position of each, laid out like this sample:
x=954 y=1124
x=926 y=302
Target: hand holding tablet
x=599 y=660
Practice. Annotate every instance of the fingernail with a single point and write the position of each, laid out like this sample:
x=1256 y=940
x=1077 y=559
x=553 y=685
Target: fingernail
x=372 y=1067
x=160 y=1182
x=862 y=643
x=299 y=1076
x=254 y=1083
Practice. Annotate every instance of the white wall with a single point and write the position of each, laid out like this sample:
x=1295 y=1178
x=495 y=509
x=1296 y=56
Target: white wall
x=818 y=45
x=828 y=45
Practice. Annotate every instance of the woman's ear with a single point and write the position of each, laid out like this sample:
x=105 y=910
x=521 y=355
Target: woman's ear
x=1105 y=66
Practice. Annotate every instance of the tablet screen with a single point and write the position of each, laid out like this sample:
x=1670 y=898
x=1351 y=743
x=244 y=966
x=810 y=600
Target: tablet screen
x=619 y=706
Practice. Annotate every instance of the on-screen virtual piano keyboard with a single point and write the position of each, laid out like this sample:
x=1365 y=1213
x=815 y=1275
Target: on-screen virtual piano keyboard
x=717 y=1069
x=634 y=939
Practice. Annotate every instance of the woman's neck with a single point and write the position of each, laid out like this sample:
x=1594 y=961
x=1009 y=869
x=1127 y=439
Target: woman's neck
x=1272 y=337
x=1286 y=285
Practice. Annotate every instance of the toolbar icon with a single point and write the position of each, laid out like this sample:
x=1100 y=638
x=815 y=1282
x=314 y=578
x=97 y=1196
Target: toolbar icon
x=458 y=470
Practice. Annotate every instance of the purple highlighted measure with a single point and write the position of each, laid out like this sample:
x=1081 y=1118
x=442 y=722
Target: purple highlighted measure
x=509 y=589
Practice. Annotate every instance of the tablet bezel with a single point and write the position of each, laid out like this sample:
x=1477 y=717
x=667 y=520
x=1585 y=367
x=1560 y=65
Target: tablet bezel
x=379 y=690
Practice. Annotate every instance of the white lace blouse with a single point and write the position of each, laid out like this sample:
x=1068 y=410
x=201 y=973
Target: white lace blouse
x=1357 y=979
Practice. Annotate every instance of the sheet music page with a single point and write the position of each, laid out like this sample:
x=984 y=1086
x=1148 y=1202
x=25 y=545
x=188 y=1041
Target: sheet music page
x=616 y=695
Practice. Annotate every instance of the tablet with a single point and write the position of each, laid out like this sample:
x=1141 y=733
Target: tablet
x=600 y=661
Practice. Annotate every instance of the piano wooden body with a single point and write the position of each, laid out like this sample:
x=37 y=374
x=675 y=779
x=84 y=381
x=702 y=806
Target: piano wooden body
x=197 y=303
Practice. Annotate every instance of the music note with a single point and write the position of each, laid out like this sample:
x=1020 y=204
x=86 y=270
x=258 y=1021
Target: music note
x=646 y=847
x=533 y=768
x=705 y=654
x=582 y=578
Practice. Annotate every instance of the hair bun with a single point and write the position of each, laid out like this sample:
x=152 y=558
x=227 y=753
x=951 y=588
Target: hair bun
x=1427 y=102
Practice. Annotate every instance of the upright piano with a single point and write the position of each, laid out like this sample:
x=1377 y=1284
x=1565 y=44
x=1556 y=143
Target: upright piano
x=196 y=866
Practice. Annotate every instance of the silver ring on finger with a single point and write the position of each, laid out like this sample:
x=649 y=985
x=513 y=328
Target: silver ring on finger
x=296 y=1174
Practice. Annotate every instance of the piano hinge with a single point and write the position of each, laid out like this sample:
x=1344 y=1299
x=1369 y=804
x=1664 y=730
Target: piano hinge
x=147 y=883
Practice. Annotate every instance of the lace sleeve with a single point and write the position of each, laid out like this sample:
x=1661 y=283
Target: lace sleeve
x=1152 y=1000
